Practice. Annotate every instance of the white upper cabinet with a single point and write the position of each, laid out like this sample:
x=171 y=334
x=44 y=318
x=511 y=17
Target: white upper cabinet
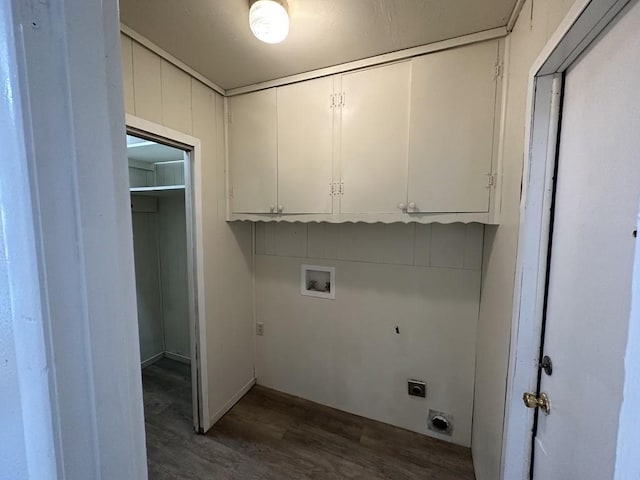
x=453 y=99
x=253 y=152
x=374 y=139
x=411 y=141
x=305 y=147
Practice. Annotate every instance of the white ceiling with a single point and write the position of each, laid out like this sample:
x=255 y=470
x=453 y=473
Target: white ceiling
x=213 y=36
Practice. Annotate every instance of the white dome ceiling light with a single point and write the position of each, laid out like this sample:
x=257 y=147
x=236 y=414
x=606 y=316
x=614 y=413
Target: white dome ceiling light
x=269 y=20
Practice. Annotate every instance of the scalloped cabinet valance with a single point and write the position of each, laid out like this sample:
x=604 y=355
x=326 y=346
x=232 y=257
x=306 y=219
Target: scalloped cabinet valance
x=410 y=141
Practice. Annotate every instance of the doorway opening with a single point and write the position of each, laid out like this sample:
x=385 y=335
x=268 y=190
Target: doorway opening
x=166 y=271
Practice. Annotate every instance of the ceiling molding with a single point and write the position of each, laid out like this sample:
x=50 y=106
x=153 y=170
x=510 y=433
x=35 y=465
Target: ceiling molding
x=517 y=8
x=129 y=32
x=494 y=33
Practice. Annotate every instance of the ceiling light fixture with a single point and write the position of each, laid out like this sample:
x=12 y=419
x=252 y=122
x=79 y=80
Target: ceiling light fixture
x=269 y=20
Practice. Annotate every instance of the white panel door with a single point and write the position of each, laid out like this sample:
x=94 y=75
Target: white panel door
x=305 y=146
x=253 y=152
x=375 y=137
x=453 y=97
x=597 y=195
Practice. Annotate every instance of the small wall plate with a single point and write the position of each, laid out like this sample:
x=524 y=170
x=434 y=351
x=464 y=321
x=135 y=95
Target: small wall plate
x=318 y=281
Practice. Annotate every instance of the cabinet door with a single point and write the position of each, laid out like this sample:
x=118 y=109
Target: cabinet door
x=305 y=146
x=453 y=97
x=253 y=152
x=375 y=134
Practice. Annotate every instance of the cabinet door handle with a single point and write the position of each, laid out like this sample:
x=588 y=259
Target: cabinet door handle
x=402 y=206
x=412 y=205
x=280 y=209
x=272 y=208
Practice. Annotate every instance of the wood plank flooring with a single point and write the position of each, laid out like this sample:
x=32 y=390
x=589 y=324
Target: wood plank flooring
x=270 y=435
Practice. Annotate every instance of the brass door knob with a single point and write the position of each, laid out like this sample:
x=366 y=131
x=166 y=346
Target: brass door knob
x=531 y=400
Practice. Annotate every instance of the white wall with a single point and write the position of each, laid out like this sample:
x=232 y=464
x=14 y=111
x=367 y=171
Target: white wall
x=148 y=292
x=172 y=238
x=159 y=92
x=160 y=247
x=345 y=353
x=532 y=30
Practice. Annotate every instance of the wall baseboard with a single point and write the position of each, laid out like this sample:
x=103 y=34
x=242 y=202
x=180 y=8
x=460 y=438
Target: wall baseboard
x=227 y=406
x=178 y=358
x=173 y=356
x=152 y=360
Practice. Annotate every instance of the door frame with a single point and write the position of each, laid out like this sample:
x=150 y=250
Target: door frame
x=195 y=257
x=584 y=22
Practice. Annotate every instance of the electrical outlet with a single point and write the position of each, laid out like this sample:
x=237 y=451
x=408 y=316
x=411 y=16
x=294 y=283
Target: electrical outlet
x=259 y=328
x=417 y=388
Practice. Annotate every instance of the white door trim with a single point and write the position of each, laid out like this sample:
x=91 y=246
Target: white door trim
x=627 y=462
x=195 y=258
x=584 y=22
x=66 y=221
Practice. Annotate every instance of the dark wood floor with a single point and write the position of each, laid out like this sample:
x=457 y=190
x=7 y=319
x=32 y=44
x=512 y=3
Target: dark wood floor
x=270 y=435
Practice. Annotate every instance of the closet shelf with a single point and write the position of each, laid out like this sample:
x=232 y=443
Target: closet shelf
x=152 y=152
x=157 y=190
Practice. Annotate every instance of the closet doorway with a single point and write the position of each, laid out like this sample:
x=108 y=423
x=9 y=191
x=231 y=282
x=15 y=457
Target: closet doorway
x=166 y=269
